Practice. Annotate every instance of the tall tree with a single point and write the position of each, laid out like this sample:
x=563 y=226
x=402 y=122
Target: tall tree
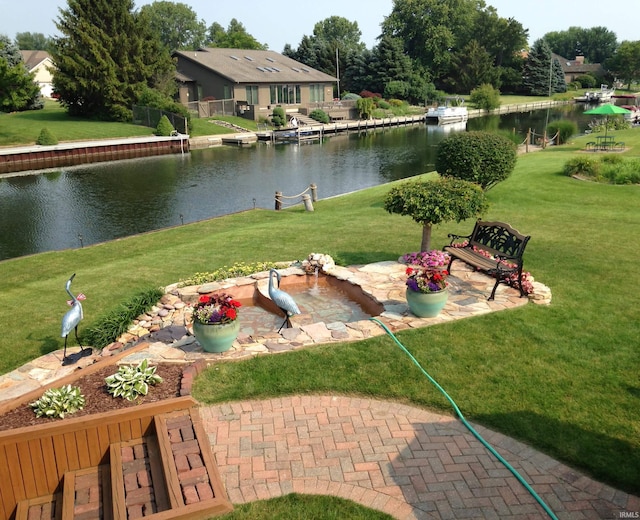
x=626 y=62
x=106 y=58
x=596 y=44
x=541 y=71
x=390 y=63
x=28 y=41
x=473 y=67
x=431 y=30
x=234 y=37
x=176 y=24
x=18 y=90
x=335 y=43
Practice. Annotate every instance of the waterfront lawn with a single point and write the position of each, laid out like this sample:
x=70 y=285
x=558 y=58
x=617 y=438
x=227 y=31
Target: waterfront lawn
x=23 y=128
x=563 y=378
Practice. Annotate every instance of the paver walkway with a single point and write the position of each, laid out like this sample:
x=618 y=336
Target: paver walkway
x=407 y=462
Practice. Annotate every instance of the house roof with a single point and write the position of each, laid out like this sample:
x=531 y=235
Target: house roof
x=255 y=66
x=34 y=58
x=577 y=66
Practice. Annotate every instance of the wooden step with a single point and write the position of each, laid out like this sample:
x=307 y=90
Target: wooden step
x=138 y=483
x=87 y=494
x=194 y=486
x=47 y=507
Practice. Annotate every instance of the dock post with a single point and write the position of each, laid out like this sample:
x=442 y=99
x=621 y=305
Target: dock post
x=314 y=193
x=308 y=205
x=278 y=200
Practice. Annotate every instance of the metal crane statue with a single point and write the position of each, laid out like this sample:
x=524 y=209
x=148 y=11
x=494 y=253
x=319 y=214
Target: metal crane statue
x=70 y=321
x=283 y=300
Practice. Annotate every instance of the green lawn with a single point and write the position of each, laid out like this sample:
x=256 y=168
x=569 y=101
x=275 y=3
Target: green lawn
x=23 y=128
x=563 y=378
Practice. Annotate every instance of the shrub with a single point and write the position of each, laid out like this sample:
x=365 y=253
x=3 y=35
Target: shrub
x=351 y=95
x=278 y=117
x=116 y=322
x=46 y=138
x=399 y=89
x=584 y=166
x=58 y=402
x=164 y=128
x=396 y=103
x=619 y=170
x=365 y=106
x=319 y=115
x=368 y=94
x=236 y=270
x=586 y=80
x=383 y=104
x=130 y=382
x=485 y=97
x=481 y=157
x=563 y=128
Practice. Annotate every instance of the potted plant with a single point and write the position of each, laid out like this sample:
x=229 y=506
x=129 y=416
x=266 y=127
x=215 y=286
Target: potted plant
x=215 y=322
x=427 y=288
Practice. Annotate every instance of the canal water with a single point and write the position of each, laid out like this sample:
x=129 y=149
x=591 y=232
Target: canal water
x=79 y=206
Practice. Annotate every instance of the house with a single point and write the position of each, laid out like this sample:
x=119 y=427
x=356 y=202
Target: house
x=577 y=67
x=249 y=82
x=41 y=65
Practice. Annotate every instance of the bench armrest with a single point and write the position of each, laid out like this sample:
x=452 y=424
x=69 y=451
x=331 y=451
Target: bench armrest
x=454 y=237
x=504 y=258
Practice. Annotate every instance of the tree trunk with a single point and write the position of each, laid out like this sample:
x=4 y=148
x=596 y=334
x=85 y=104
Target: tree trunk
x=426 y=238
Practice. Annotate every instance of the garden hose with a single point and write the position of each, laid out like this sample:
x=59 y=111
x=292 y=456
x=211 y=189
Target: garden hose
x=468 y=426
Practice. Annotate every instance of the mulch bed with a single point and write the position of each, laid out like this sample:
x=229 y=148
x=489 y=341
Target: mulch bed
x=98 y=399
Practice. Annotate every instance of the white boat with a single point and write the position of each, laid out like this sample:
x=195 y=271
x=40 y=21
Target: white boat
x=603 y=95
x=447 y=113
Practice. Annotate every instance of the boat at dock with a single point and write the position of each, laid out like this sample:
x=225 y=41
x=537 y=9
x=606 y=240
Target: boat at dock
x=603 y=95
x=453 y=111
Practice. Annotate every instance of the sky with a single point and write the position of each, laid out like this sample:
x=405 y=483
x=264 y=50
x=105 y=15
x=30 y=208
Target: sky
x=288 y=23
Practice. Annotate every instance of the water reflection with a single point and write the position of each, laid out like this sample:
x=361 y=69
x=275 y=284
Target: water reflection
x=95 y=203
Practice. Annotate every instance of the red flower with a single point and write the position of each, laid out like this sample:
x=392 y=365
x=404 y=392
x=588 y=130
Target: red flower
x=230 y=313
x=204 y=299
x=409 y=271
x=235 y=303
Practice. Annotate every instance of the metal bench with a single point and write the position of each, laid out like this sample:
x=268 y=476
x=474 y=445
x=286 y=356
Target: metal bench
x=493 y=247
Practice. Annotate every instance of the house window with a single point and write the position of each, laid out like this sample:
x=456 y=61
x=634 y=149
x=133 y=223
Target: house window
x=316 y=93
x=252 y=94
x=285 y=94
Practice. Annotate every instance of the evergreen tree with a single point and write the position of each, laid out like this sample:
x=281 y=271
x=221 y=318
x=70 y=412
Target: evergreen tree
x=542 y=74
x=106 y=57
x=390 y=63
x=18 y=90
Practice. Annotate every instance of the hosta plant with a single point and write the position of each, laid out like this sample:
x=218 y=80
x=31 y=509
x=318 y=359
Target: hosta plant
x=132 y=381
x=58 y=402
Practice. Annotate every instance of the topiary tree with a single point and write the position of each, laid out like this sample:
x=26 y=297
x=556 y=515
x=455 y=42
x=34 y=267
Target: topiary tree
x=432 y=202
x=481 y=157
x=279 y=117
x=46 y=138
x=164 y=127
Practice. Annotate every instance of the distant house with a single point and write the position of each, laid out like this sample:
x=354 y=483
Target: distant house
x=574 y=68
x=41 y=64
x=252 y=81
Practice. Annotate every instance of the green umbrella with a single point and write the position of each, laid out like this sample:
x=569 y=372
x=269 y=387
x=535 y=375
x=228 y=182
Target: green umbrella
x=607 y=110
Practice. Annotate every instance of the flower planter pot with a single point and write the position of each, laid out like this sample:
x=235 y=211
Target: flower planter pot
x=427 y=305
x=216 y=337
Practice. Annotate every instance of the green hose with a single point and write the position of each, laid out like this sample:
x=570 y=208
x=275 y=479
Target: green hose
x=469 y=427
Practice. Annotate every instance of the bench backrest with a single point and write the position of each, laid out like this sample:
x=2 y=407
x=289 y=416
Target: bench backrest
x=498 y=238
